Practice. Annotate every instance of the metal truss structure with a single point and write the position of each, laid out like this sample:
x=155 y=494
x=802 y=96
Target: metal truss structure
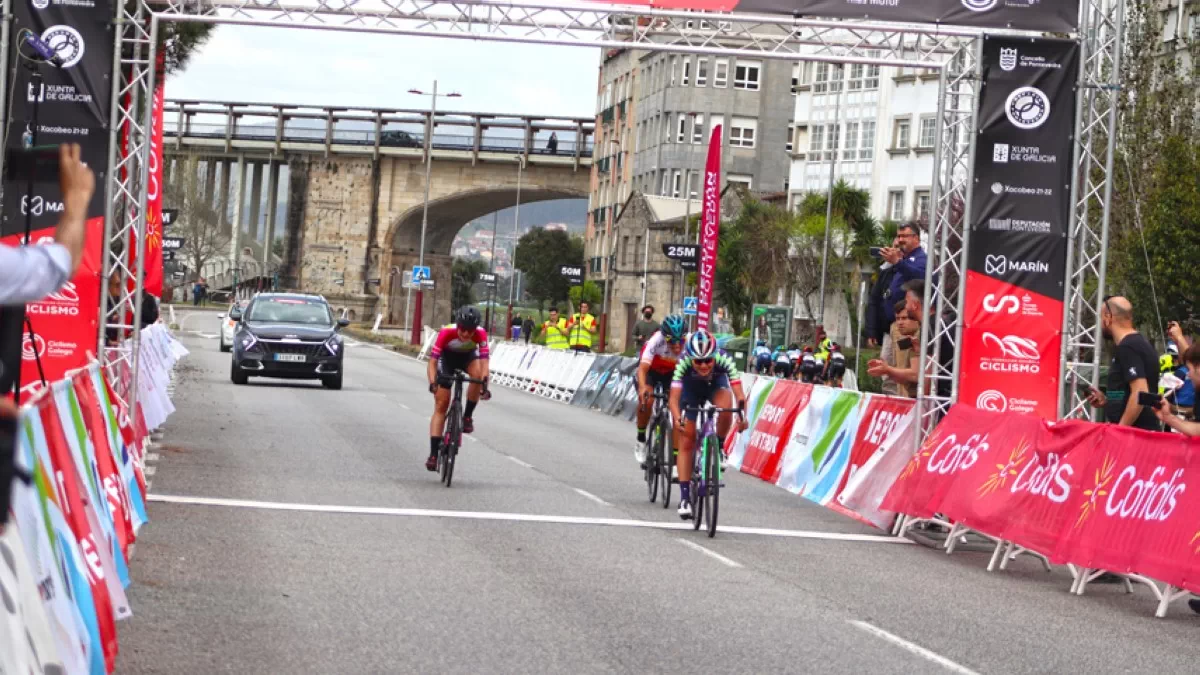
x=1102 y=28
x=952 y=51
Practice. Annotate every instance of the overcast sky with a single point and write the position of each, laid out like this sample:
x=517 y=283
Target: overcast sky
x=269 y=65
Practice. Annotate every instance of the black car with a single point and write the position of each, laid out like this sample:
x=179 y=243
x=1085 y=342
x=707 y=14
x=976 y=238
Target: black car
x=287 y=335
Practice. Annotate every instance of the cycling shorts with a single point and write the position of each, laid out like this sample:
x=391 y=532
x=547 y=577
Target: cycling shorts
x=450 y=362
x=661 y=380
x=697 y=392
x=836 y=370
x=783 y=369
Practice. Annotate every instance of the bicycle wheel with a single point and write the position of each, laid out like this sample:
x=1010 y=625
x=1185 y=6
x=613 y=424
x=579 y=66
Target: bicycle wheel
x=712 y=484
x=652 y=464
x=666 y=461
x=454 y=437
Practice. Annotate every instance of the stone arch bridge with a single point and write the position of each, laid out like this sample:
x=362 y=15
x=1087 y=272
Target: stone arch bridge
x=356 y=186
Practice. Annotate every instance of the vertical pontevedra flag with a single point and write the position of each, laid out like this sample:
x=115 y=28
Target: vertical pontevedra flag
x=710 y=229
x=153 y=282
x=1020 y=209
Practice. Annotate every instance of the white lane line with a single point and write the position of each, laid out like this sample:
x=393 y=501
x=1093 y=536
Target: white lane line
x=152 y=456
x=149 y=470
x=913 y=648
x=588 y=495
x=514 y=517
x=728 y=562
x=405 y=407
x=518 y=462
x=207 y=336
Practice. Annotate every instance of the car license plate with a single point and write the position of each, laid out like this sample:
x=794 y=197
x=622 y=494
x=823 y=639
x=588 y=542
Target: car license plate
x=297 y=358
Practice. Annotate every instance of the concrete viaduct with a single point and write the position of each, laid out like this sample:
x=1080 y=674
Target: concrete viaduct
x=355 y=187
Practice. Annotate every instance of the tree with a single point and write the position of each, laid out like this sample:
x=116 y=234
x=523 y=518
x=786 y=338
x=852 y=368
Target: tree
x=540 y=253
x=464 y=275
x=589 y=292
x=198 y=221
x=754 y=258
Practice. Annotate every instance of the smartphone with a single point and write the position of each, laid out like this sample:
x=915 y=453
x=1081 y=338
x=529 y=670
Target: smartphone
x=904 y=343
x=876 y=252
x=1150 y=399
x=39 y=162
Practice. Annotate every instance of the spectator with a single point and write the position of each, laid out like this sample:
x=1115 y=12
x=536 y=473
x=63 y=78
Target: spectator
x=197 y=292
x=555 y=331
x=645 y=328
x=1191 y=361
x=149 y=309
x=762 y=331
x=515 y=327
x=30 y=273
x=1133 y=370
x=1185 y=396
x=527 y=328
x=878 y=323
x=908 y=259
x=901 y=356
x=552 y=144
x=914 y=309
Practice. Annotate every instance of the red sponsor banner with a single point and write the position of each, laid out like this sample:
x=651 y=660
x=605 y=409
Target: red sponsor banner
x=153 y=281
x=1099 y=496
x=1010 y=348
x=773 y=427
x=883 y=414
x=73 y=498
x=66 y=322
x=710 y=230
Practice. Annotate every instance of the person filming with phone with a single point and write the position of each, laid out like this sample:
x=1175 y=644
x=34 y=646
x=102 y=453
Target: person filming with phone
x=1191 y=359
x=1133 y=372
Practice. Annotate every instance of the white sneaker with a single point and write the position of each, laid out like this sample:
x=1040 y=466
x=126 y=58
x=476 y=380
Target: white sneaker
x=639 y=452
x=685 y=510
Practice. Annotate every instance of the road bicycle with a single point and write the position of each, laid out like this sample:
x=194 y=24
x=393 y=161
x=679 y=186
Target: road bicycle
x=706 y=468
x=452 y=438
x=658 y=460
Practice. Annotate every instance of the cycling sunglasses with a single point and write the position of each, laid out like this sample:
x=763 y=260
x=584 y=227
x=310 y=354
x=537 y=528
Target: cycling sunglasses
x=702 y=362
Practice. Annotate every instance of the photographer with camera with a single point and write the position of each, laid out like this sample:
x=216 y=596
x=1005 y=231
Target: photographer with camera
x=1191 y=359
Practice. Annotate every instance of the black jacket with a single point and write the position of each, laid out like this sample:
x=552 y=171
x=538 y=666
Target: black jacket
x=879 y=311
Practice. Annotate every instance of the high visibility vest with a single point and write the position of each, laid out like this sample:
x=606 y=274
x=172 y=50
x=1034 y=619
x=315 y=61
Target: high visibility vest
x=824 y=348
x=556 y=334
x=581 y=333
x=1166 y=364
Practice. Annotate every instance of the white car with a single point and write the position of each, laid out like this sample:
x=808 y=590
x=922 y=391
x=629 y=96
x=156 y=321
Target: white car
x=228 y=327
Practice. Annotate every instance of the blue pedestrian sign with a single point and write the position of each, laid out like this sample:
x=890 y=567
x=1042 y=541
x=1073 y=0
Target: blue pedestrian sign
x=689 y=305
x=420 y=274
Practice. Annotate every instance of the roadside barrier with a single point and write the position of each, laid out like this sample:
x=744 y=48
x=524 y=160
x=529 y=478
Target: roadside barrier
x=65 y=550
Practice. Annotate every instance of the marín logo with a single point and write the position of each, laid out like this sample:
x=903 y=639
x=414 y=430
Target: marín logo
x=1027 y=107
x=1099 y=489
x=992 y=401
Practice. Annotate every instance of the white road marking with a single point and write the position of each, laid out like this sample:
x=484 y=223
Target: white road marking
x=149 y=470
x=913 y=648
x=207 y=336
x=405 y=407
x=588 y=495
x=728 y=562
x=472 y=439
x=152 y=456
x=514 y=460
x=517 y=517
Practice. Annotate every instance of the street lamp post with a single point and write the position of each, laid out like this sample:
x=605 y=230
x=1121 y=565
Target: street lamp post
x=608 y=279
x=834 y=141
x=492 y=270
x=433 y=96
x=512 y=287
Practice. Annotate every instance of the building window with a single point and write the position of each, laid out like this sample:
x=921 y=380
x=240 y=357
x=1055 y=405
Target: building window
x=741 y=135
x=815 y=140
x=745 y=75
x=900 y=134
x=850 y=149
x=625 y=251
x=674 y=65
x=681 y=131
x=721 y=73
x=667 y=128
x=740 y=179
x=856 y=77
x=831 y=143
x=866 y=145
x=665 y=185
x=871 y=81
x=692 y=178
x=896 y=205
x=922 y=199
x=698 y=129
x=928 y=132
x=790 y=142
x=719 y=121
x=701 y=72
x=796 y=70
x=676 y=183
x=828 y=78
x=687 y=72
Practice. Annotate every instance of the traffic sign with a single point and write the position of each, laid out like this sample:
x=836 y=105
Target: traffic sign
x=172 y=243
x=168 y=217
x=689 y=305
x=177 y=275
x=487 y=278
x=680 y=252
x=421 y=274
x=574 y=273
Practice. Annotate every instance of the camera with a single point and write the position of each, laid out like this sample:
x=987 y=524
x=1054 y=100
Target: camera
x=876 y=252
x=1149 y=399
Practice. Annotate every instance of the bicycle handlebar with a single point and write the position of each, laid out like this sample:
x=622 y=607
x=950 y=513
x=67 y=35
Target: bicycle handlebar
x=463 y=377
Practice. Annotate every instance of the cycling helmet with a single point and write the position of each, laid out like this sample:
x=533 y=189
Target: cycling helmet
x=701 y=345
x=835 y=346
x=673 y=328
x=468 y=318
x=762 y=343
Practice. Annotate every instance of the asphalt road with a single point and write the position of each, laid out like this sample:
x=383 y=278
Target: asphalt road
x=295 y=530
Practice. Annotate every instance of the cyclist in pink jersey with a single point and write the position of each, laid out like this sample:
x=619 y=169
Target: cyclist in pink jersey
x=463 y=346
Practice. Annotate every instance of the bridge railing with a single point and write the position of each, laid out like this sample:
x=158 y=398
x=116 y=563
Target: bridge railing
x=376 y=129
